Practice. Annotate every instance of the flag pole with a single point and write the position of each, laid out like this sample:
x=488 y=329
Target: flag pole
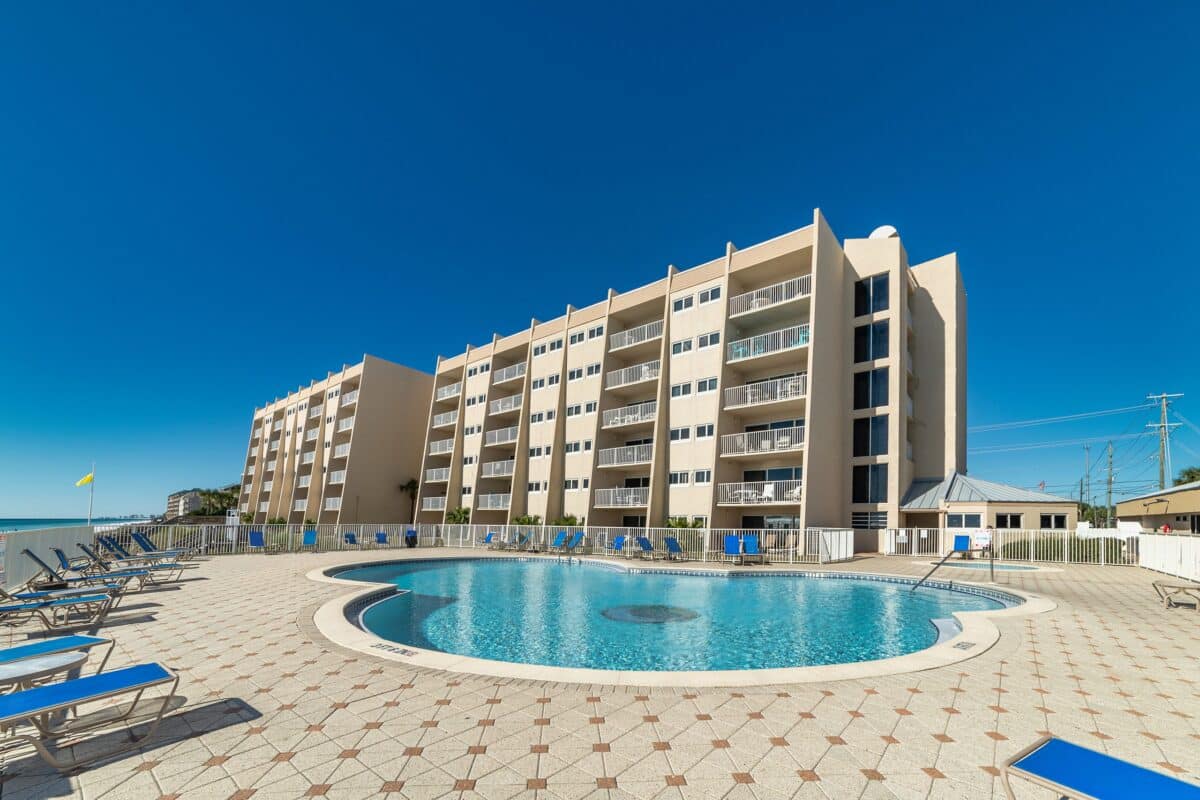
x=91 y=492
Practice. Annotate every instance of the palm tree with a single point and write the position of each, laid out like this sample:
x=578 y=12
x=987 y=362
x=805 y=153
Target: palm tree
x=1188 y=475
x=458 y=516
x=410 y=488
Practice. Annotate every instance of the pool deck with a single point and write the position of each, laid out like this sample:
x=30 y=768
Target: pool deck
x=274 y=710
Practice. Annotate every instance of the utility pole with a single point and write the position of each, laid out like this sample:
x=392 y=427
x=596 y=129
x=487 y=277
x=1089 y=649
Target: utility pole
x=1087 y=470
x=1164 y=435
x=1108 y=494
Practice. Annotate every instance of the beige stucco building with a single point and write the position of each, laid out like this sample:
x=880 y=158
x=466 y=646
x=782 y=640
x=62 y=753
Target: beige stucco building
x=965 y=502
x=1177 y=507
x=335 y=451
x=801 y=381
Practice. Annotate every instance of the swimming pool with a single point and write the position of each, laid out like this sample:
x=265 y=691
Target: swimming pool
x=555 y=613
x=983 y=564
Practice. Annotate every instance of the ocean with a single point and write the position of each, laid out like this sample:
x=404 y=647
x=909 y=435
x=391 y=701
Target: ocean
x=7 y=525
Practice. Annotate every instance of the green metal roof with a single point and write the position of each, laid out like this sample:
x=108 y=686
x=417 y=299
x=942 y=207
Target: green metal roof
x=930 y=493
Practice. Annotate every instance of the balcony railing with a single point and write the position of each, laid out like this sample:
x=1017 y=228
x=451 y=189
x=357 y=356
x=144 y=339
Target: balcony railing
x=437 y=475
x=632 y=497
x=249 y=470
x=278 y=425
x=307 y=458
x=311 y=435
x=494 y=502
x=632 y=336
x=313 y=413
x=772 y=391
x=498 y=469
x=630 y=375
x=441 y=447
x=630 y=415
x=345 y=424
x=769 y=296
x=333 y=503
x=508 y=373
x=776 y=440
x=433 y=504
x=505 y=404
x=299 y=505
x=341 y=451
x=625 y=456
x=337 y=476
x=767 y=343
x=445 y=418
x=274 y=446
x=448 y=391
x=303 y=481
x=759 y=493
x=350 y=397
x=501 y=436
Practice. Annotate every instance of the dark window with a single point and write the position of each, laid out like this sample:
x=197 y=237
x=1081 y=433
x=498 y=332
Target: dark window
x=871 y=388
x=870 y=341
x=870 y=436
x=1054 y=521
x=869 y=483
x=871 y=295
x=1011 y=521
x=963 y=520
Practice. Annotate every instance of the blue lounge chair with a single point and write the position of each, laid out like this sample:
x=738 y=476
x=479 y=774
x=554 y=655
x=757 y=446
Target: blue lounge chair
x=489 y=541
x=148 y=548
x=99 y=583
x=41 y=705
x=154 y=573
x=618 y=545
x=59 y=612
x=257 y=543
x=411 y=538
x=381 y=539
x=117 y=557
x=733 y=546
x=1075 y=771
x=559 y=540
x=82 y=565
x=56 y=645
x=674 y=551
x=308 y=540
x=523 y=542
x=350 y=538
x=574 y=542
x=646 y=548
x=750 y=549
x=114 y=589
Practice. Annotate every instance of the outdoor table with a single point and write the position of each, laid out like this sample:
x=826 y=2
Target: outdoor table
x=27 y=672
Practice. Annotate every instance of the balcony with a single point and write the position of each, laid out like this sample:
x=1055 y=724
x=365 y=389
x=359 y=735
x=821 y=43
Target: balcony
x=313 y=413
x=625 y=456
x=262 y=507
x=445 y=418
x=442 y=447
x=632 y=376
x=508 y=374
x=448 y=392
x=766 y=344
x=249 y=470
x=337 y=476
x=345 y=424
x=277 y=426
x=632 y=337
x=311 y=435
x=342 y=450
x=630 y=415
x=349 y=398
x=762 y=393
x=307 y=458
x=498 y=469
x=759 y=493
x=299 y=505
x=770 y=296
x=303 y=481
x=757 y=443
x=494 y=502
x=500 y=436
x=437 y=475
x=506 y=405
x=274 y=446
x=624 y=497
x=333 y=503
x=433 y=503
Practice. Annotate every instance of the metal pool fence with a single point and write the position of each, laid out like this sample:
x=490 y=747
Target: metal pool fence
x=1095 y=546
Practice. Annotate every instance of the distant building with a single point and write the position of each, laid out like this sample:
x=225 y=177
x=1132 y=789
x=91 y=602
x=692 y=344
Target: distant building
x=183 y=503
x=962 y=501
x=335 y=451
x=1177 y=507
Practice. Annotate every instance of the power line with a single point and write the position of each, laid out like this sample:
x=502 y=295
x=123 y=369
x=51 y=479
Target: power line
x=1027 y=423
x=1042 y=445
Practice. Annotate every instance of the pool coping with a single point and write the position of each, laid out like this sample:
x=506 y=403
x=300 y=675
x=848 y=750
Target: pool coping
x=336 y=620
x=1027 y=567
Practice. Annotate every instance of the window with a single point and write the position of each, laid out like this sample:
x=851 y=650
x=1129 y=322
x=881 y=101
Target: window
x=538 y=383
x=539 y=350
x=871 y=341
x=869 y=520
x=709 y=295
x=871 y=388
x=468 y=460
x=577 y=338
x=706 y=385
x=470 y=430
x=550 y=414
x=466 y=490
x=709 y=339
x=575 y=374
x=963 y=520
x=678 y=479
x=680 y=434
x=871 y=295
x=556 y=345
x=595 y=332
x=571 y=484
x=704 y=431
x=587 y=445
x=1008 y=521
x=481 y=398
x=683 y=304
x=702 y=477
x=681 y=390
x=536 y=417
x=571 y=447
x=1055 y=521
x=585 y=483
x=575 y=410
x=537 y=486
x=869 y=484
x=553 y=379
x=681 y=347
x=486 y=367
x=593 y=369
x=535 y=452
x=472 y=372
x=870 y=436
x=590 y=407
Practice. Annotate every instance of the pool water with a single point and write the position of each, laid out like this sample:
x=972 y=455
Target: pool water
x=551 y=612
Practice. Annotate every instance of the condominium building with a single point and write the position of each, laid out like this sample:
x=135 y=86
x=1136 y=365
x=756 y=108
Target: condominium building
x=182 y=503
x=337 y=450
x=797 y=382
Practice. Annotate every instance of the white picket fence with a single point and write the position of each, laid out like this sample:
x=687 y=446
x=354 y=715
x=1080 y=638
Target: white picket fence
x=1172 y=553
x=1103 y=547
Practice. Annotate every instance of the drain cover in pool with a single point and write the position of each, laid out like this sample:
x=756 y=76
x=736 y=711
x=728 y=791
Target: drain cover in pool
x=655 y=615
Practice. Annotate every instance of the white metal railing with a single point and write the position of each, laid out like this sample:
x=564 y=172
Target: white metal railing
x=628 y=415
x=350 y=397
x=448 y=391
x=630 y=375
x=445 y=418
x=271 y=465
x=1172 y=553
x=623 y=497
x=311 y=435
x=249 y=470
x=1106 y=547
x=303 y=481
x=758 y=493
x=769 y=296
x=433 y=504
x=440 y=447
x=342 y=450
x=345 y=424
x=274 y=446
x=313 y=413
x=307 y=458
x=437 y=475
x=333 y=503
x=278 y=425
x=508 y=373
x=503 y=404
x=337 y=476
x=622 y=456
x=501 y=435
x=493 y=502
x=498 y=469
x=632 y=336
x=299 y=505
x=775 y=440
x=263 y=506
x=772 y=391
x=267 y=486
x=767 y=343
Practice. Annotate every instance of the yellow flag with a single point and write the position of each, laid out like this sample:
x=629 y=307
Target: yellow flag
x=85 y=480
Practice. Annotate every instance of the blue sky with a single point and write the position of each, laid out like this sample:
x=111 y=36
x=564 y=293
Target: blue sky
x=189 y=193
